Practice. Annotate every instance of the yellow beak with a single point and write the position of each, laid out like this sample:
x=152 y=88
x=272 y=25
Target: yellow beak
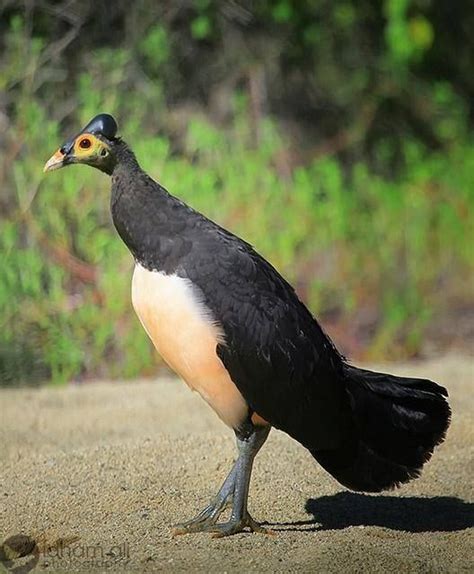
x=56 y=161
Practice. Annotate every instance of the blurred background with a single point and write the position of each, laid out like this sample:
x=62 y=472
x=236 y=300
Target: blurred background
x=336 y=137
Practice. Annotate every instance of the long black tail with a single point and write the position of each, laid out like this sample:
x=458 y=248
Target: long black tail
x=398 y=421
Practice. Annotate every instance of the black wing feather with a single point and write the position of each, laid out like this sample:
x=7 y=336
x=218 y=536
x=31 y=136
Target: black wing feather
x=284 y=365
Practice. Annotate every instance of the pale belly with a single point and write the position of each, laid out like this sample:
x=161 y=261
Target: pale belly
x=182 y=329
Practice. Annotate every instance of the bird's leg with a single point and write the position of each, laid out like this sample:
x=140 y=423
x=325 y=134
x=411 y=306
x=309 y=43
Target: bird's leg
x=248 y=444
x=210 y=514
x=234 y=489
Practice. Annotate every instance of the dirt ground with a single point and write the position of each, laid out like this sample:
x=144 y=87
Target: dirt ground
x=96 y=473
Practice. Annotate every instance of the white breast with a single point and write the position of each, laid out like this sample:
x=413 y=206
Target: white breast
x=173 y=313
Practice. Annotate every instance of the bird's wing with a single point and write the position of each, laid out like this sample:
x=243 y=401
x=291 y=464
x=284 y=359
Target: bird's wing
x=278 y=356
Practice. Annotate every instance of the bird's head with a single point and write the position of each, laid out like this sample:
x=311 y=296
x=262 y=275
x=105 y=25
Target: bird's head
x=93 y=146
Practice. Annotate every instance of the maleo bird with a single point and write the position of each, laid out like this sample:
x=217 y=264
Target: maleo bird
x=228 y=323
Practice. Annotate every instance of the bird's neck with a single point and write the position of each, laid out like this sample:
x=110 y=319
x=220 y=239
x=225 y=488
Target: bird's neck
x=124 y=157
x=149 y=220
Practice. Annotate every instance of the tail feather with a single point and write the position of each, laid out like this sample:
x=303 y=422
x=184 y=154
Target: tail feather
x=397 y=423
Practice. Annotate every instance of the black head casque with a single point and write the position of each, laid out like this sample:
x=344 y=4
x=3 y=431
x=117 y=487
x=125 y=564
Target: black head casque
x=92 y=146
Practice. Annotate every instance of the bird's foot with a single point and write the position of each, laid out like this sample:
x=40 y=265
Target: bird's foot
x=204 y=520
x=236 y=525
x=233 y=491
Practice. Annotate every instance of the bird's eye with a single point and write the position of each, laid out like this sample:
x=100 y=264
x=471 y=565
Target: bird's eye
x=85 y=143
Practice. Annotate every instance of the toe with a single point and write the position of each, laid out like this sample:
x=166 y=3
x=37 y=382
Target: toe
x=235 y=526
x=258 y=528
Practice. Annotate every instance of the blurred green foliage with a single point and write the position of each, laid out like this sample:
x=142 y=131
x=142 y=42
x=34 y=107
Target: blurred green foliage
x=351 y=169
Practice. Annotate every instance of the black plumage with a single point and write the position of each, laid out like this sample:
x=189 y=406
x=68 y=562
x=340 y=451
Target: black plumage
x=371 y=431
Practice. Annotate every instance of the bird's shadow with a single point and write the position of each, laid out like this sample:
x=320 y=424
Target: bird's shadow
x=409 y=513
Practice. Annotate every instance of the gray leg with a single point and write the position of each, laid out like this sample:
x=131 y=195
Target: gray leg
x=213 y=510
x=248 y=446
x=235 y=488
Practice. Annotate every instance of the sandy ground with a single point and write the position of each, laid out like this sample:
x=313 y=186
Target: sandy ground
x=97 y=473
